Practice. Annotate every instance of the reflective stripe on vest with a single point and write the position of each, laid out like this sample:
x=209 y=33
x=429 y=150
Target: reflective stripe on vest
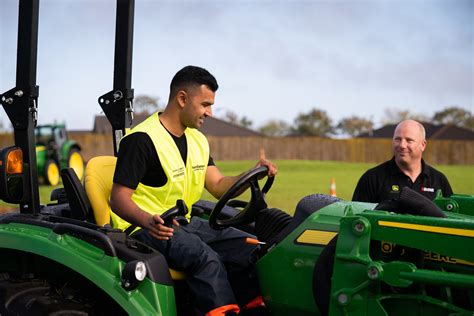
x=185 y=182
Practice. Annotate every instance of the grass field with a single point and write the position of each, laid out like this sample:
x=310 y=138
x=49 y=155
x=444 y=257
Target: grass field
x=298 y=178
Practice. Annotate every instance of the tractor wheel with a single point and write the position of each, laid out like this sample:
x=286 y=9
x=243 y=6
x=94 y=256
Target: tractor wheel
x=37 y=297
x=322 y=276
x=76 y=162
x=51 y=173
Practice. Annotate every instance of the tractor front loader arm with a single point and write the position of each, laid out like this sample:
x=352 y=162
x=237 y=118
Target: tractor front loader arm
x=385 y=262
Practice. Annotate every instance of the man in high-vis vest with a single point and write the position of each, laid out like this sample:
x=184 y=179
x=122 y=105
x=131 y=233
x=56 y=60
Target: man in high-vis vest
x=165 y=158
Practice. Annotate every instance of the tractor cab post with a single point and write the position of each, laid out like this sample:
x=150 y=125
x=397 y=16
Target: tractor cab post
x=118 y=103
x=21 y=102
x=21 y=105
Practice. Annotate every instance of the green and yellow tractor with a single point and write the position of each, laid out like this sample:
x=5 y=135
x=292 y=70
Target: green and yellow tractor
x=55 y=151
x=333 y=258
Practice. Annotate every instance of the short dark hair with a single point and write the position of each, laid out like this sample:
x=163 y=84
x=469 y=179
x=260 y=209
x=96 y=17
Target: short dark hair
x=192 y=76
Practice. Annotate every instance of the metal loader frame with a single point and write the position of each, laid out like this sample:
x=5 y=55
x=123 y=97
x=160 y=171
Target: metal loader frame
x=445 y=247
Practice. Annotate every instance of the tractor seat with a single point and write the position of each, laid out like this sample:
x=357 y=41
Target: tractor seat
x=98 y=180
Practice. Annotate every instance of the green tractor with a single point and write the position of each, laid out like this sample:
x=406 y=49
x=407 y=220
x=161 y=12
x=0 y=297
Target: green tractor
x=55 y=151
x=337 y=258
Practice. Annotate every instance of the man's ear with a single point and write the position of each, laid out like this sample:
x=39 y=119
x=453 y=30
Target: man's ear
x=423 y=145
x=182 y=98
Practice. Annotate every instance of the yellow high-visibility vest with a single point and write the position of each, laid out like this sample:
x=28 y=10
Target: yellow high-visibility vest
x=185 y=182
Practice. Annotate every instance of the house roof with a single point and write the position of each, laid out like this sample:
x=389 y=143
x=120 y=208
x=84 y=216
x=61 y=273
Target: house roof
x=211 y=127
x=442 y=132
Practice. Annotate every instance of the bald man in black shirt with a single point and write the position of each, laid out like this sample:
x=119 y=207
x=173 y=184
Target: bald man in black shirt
x=406 y=168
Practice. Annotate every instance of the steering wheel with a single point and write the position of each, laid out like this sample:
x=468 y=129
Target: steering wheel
x=256 y=203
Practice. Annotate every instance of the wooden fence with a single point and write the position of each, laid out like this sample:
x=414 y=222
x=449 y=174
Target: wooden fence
x=307 y=148
x=349 y=150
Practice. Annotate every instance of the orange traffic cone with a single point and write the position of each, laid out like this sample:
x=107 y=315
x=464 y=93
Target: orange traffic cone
x=332 y=187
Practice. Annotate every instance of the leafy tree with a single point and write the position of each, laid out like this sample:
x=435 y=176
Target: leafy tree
x=245 y=122
x=233 y=118
x=470 y=123
x=145 y=104
x=456 y=116
x=275 y=128
x=314 y=123
x=355 y=126
x=394 y=116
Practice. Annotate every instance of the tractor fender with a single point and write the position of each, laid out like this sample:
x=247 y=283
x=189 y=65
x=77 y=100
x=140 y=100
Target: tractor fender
x=91 y=262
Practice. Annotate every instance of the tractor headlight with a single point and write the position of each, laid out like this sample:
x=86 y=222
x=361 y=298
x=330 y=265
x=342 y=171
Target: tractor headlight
x=133 y=273
x=140 y=271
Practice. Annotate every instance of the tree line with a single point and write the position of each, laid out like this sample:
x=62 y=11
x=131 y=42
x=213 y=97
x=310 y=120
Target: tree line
x=317 y=122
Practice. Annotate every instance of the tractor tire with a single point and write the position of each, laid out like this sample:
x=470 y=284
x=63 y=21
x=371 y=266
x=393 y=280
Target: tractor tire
x=322 y=276
x=37 y=297
x=76 y=162
x=51 y=173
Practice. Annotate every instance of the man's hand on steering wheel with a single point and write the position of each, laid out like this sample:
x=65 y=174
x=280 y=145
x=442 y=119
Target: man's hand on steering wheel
x=272 y=168
x=262 y=162
x=253 y=207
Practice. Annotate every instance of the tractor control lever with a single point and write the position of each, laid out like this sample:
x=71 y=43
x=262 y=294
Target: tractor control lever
x=179 y=210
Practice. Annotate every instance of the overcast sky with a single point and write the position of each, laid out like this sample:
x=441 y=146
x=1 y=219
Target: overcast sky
x=272 y=59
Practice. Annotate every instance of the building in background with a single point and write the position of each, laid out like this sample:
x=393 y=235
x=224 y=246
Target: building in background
x=438 y=132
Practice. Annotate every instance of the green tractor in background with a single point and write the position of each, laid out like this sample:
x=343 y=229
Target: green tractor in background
x=55 y=151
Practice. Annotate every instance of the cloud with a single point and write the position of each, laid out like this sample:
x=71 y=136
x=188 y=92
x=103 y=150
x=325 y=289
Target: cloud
x=274 y=59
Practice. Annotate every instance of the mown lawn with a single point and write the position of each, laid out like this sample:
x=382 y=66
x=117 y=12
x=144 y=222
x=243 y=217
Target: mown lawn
x=298 y=178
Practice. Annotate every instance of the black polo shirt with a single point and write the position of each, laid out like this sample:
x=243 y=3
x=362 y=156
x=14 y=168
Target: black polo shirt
x=385 y=181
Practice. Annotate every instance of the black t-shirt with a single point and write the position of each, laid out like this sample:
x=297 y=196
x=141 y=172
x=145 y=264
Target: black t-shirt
x=385 y=181
x=138 y=161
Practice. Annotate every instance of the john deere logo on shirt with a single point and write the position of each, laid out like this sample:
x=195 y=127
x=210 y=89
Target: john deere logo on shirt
x=395 y=188
x=425 y=189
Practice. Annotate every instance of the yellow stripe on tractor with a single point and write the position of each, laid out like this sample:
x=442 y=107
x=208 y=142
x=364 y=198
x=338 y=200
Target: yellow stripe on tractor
x=428 y=228
x=316 y=237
